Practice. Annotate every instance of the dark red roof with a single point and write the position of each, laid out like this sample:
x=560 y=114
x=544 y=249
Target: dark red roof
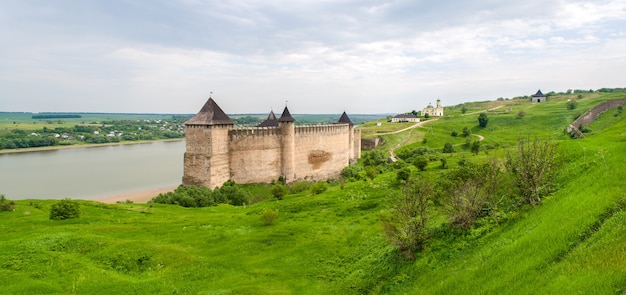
x=210 y=114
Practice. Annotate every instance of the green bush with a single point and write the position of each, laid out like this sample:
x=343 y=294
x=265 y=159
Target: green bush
x=279 y=191
x=447 y=148
x=421 y=162
x=268 y=216
x=483 y=119
x=299 y=186
x=404 y=174
x=351 y=172
x=319 y=187
x=65 y=209
x=6 y=205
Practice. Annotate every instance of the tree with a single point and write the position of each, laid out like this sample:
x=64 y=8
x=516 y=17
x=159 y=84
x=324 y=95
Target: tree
x=463 y=110
x=483 y=120
x=466 y=132
x=65 y=209
x=532 y=168
x=447 y=148
x=476 y=147
x=421 y=162
x=405 y=226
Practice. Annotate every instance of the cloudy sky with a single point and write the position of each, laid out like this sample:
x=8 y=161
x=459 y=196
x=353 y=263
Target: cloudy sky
x=323 y=56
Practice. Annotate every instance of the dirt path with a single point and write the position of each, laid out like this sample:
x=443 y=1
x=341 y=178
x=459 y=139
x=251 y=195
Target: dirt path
x=392 y=156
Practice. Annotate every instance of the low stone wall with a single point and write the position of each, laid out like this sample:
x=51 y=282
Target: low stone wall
x=592 y=114
x=370 y=143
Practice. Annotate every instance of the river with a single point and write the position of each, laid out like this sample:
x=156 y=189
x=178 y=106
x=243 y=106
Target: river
x=91 y=172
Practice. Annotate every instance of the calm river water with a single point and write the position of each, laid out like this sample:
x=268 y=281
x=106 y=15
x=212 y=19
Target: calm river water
x=91 y=172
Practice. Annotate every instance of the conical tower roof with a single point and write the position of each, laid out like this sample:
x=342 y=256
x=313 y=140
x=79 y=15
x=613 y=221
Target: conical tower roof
x=210 y=114
x=286 y=116
x=344 y=119
x=270 y=122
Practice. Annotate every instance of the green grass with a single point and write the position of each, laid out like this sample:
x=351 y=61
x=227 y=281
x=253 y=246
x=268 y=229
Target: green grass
x=332 y=243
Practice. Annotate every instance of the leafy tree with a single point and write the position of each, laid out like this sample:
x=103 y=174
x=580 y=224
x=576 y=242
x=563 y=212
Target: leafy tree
x=532 y=167
x=405 y=226
x=483 y=120
x=447 y=148
x=476 y=147
x=421 y=162
x=65 y=209
x=466 y=132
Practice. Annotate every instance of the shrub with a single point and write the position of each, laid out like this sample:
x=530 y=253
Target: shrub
x=279 y=191
x=447 y=148
x=476 y=147
x=6 y=205
x=406 y=224
x=351 y=172
x=404 y=174
x=454 y=134
x=268 y=216
x=371 y=172
x=319 y=187
x=299 y=186
x=466 y=132
x=234 y=194
x=463 y=110
x=532 y=168
x=521 y=114
x=444 y=163
x=483 y=119
x=572 y=104
x=65 y=209
x=421 y=162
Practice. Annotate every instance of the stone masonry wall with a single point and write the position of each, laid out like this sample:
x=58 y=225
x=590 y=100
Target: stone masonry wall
x=255 y=155
x=321 y=152
x=591 y=115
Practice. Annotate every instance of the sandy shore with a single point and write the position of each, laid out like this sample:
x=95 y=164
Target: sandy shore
x=136 y=197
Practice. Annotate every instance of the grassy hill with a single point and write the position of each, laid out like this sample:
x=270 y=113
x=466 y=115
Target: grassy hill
x=333 y=242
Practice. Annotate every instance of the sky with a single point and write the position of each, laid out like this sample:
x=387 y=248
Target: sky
x=319 y=56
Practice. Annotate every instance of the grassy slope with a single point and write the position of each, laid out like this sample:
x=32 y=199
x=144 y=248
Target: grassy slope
x=332 y=243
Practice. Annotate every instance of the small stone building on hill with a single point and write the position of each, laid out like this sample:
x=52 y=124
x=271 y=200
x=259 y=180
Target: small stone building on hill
x=404 y=118
x=538 y=97
x=218 y=151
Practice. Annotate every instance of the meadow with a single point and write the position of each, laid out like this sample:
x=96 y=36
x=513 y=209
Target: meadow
x=334 y=242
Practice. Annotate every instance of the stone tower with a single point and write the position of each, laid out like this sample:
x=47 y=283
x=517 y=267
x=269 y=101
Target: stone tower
x=287 y=129
x=206 y=156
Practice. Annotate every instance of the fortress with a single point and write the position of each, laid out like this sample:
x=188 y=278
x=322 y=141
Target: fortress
x=217 y=151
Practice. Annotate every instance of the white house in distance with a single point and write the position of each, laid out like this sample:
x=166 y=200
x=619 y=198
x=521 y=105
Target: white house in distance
x=433 y=111
x=538 y=97
x=404 y=118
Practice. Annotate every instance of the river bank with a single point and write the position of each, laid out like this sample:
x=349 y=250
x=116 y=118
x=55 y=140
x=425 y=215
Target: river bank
x=135 y=197
x=62 y=147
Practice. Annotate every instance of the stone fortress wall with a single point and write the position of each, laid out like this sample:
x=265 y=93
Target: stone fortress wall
x=592 y=114
x=217 y=151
